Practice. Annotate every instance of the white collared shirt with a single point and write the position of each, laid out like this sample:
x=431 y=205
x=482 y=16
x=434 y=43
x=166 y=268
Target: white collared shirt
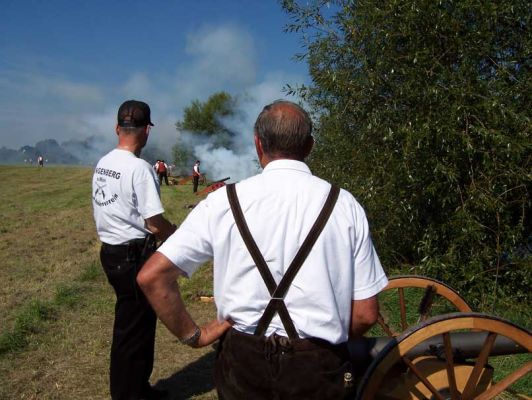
x=280 y=206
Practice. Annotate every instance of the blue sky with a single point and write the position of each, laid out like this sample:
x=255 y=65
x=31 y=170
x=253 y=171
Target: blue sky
x=66 y=65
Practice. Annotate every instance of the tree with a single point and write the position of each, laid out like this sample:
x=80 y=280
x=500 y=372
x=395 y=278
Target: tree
x=422 y=111
x=204 y=119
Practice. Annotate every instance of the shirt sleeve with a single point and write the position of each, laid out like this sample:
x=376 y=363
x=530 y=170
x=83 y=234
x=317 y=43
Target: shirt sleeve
x=190 y=245
x=146 y=189
x=369 y=275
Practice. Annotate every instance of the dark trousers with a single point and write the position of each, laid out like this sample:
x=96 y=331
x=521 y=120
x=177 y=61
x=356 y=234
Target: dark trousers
x=163 y=175
x=135 y=321
x=253 y=367
x=195 y=181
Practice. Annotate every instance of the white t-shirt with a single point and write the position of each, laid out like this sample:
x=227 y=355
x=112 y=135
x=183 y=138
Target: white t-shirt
x=125 y=192
x=280 y=206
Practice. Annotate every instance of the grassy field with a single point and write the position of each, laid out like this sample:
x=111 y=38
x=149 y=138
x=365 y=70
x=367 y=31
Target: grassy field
x=56 y=308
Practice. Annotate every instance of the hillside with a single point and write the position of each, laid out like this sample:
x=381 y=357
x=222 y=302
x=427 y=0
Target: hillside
x=85 y=151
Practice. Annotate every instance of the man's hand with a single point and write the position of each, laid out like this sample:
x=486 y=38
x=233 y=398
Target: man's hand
x=212 y=332
x=160 y=227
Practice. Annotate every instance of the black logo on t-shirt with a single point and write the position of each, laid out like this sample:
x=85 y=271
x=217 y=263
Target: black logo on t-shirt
x=100 y=191
x=100 y=196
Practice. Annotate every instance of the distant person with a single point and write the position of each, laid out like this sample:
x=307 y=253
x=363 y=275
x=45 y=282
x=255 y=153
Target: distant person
x=40 y=161
x=156 y=165
x=295 y=272
x=171 y=168
x=196 y=175
x=129 y=218
x=162 y=172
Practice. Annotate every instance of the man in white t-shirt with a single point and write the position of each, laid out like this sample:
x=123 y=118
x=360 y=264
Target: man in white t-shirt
x=129 y=218
x=295 y=272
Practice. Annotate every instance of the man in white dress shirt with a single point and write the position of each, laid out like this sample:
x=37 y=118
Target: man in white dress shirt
x=196 y=175
x=295 y=272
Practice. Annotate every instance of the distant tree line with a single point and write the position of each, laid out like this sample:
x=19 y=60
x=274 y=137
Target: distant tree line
x=423 y=112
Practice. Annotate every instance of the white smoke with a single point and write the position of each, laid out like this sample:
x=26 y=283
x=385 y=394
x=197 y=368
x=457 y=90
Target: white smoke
x=240 y=161
x=220 y=163
x=206 y=74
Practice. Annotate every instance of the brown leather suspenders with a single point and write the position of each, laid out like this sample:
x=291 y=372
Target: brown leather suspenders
x=277 y=292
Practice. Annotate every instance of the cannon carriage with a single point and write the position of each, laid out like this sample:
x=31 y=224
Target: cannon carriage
x=437 y=348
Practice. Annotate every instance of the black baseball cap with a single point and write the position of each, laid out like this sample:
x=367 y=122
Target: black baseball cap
x=133 y=114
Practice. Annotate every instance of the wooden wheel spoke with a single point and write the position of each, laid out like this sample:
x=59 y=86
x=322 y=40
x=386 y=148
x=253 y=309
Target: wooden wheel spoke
x=384 y=325
x=449 y=364
x=402 y=308
x=494 y=390
x=479 y=366
x=424 y=380
x=431 y=288
x=425 y=305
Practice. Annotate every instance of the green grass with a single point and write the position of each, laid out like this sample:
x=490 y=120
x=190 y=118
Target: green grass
x=31 y=317
x=56 y=307
x=29 y=320
x=91 y=273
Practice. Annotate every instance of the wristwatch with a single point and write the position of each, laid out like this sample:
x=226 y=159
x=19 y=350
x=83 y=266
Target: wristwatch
x=193 y=339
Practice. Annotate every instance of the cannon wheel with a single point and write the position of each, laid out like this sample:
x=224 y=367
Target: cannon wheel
x=433 y=292
x=393 y=355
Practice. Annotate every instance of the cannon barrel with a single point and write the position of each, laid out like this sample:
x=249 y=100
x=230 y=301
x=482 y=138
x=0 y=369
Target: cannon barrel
x=465 y=345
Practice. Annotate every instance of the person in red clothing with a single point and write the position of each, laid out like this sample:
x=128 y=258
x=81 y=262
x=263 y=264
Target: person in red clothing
x=162 y=172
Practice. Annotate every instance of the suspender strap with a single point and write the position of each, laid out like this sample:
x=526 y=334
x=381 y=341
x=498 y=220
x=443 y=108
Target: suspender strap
x=248 y=239
x=277 y=293
x=257 y=255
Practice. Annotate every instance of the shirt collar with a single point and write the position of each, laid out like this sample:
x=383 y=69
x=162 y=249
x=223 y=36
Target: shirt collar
x=287 y=164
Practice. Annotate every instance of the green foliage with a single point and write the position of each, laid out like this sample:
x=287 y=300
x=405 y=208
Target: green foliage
x=423 y=113
x=183 y=157
x=204 y=118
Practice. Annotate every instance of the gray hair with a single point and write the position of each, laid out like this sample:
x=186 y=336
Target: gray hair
x=284 y=129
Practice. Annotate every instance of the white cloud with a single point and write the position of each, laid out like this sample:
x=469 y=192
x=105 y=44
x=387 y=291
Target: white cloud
x=40 y=87
x=221 y=58
x=137 y=85
x=74 y=92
